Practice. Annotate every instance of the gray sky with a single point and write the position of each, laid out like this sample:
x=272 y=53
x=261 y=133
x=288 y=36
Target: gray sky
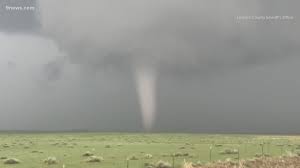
x=71 y=65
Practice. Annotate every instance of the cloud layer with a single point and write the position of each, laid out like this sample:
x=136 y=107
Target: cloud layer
x=213 y=72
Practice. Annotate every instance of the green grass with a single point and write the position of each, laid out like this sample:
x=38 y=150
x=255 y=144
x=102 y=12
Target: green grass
x=115 y=148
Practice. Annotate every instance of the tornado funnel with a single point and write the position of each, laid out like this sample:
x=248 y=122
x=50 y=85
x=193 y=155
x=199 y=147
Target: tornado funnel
x=146 y=89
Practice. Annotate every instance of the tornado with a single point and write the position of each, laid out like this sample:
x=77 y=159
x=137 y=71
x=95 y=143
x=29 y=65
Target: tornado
x=145 y=77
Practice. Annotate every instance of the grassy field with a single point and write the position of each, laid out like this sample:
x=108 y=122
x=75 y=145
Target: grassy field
x=116 y=148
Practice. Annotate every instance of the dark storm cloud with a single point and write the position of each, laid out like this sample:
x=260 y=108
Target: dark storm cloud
x=215 y=73
x=185 y=34
x=53 y=70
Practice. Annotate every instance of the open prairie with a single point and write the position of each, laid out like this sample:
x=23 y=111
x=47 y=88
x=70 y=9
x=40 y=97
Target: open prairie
x=117 y=150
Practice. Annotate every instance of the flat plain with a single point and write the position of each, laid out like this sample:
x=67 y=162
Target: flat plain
x=135 y=150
